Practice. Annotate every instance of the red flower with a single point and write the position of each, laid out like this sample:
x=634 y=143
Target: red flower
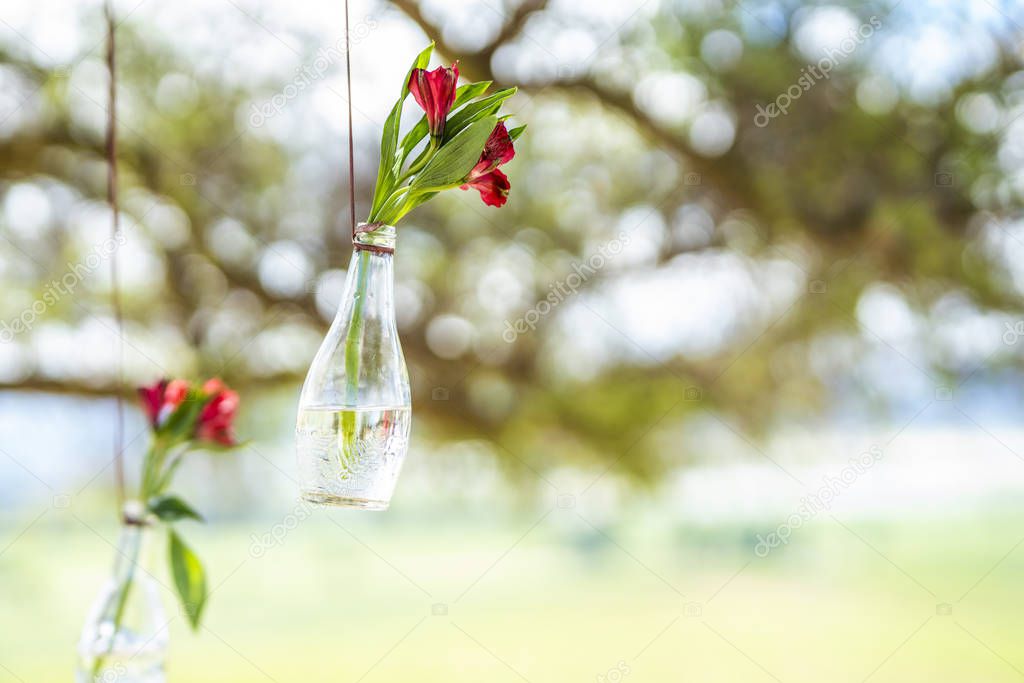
x=160 y=399
x=176 y=393
x=215 y=420
x=492 y=184
x=435 y=92
x=493 y=188
x=152 y=398
x=214 y=423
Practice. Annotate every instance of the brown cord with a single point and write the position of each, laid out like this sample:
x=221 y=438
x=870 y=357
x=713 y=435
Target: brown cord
x=372 y=247
x=115 y=228
x=375 y=248
x=351 y=136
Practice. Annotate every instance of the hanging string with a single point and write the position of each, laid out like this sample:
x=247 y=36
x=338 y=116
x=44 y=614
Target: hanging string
x=115 y=229
x=351 y=136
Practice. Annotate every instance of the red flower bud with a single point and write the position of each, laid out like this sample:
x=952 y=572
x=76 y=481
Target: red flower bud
x=161 y=399
x=214 y=386
x=176 y=393
x=435 y=92
x=152 y=398
x=492 y=184
x=216 y=421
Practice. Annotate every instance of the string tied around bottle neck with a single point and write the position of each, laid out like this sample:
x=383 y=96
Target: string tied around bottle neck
x=134 y=514
x=378 y=238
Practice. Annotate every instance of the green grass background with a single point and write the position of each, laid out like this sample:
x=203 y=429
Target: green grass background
x=559 y=601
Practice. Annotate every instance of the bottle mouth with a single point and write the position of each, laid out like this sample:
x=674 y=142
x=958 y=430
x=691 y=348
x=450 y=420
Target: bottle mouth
x=135 y=514
x=375 y=237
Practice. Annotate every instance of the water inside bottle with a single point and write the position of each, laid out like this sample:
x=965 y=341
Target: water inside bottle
x=351 y=457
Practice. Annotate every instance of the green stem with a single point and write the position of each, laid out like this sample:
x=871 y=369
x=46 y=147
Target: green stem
x=354 y=341
x=123 y=590
x=439 y=188
x=152 y=467
x=354 y=348
x=165 y=479
x=148 y=466
x=380 y=213
x=399 y=210
x=419 y=163
x=152 y=483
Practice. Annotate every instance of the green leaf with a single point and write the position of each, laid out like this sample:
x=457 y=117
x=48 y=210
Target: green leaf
x=463 y=94
x=456 y=158
x=386 y=172
x=470 y=91
x=422 y=61
x=171 y=509
x=393 y=209
x=516 y=132
x=189 y=577
x=475 y=111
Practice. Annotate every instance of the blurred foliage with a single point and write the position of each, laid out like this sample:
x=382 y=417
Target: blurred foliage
x=868 y=186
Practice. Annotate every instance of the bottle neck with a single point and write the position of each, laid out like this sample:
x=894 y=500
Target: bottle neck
x=132 y=548
x=369 y=297
x=135 y=527
x=374 y=237
x=367 y=311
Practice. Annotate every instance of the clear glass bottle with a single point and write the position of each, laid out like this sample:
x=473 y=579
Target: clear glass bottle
x=125 y=635
x=355 y=411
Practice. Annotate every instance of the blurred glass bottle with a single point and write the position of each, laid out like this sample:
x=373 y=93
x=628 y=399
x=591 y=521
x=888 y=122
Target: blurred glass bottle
x=125 y=635
x=355 y=411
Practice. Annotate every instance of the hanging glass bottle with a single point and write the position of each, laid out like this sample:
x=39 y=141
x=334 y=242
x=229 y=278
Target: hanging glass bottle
x=125 y=636
x=355 y=410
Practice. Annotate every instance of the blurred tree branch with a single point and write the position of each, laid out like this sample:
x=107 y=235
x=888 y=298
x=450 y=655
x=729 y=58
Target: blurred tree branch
x=727 y=174
x=513 y=27
x=835 y=191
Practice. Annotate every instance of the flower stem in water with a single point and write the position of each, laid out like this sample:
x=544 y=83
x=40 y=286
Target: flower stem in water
x=354 y=349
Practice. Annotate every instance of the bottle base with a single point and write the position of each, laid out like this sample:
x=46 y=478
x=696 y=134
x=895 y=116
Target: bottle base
x=332 y=500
